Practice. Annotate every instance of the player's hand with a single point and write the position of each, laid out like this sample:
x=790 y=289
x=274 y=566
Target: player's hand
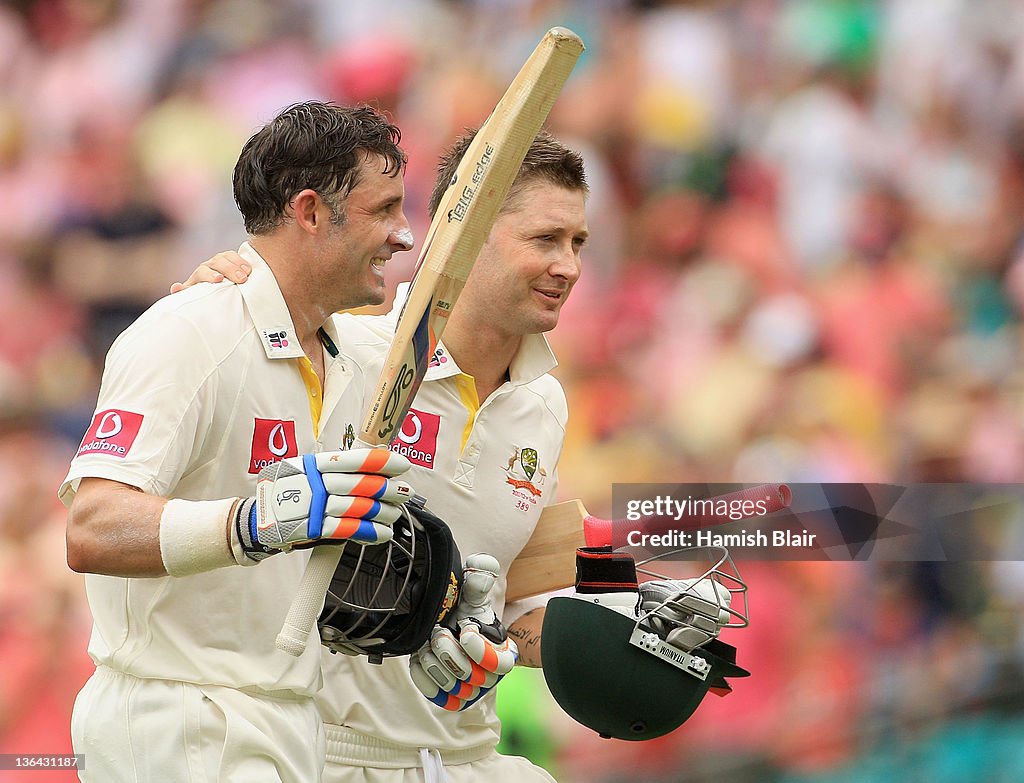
x=228 y=265
x=326 y=498
x=453 y=672
x=690 y=612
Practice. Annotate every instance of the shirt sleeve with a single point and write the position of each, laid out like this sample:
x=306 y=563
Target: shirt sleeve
x=154 y=408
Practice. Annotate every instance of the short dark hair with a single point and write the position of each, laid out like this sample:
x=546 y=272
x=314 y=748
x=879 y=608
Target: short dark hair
x=547 y=159
x=309 y=145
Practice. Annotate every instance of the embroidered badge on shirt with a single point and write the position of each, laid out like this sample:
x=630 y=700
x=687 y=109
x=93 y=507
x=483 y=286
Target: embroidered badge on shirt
x=112 y=432
x=524 y=472
x=439 y=358
x=278 y=342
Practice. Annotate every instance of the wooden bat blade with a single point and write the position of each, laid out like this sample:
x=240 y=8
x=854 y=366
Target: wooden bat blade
x=548 y=561
x=461 y=224
x=457 y=232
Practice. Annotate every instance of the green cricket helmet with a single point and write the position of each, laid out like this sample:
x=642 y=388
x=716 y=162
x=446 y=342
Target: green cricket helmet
x=618 y=666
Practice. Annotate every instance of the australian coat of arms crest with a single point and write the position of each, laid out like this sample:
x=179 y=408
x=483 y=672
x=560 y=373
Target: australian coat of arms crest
x=525 y=472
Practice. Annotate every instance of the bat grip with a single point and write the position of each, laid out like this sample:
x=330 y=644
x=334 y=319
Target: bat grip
x=597 y=532
x=309 y=600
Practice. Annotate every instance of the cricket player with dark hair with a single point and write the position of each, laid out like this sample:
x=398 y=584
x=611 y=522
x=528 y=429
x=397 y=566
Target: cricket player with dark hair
x=220 y=410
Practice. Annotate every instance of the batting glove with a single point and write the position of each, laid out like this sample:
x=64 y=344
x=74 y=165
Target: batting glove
x=326 y=498
x=453 y=672
x=687 y=613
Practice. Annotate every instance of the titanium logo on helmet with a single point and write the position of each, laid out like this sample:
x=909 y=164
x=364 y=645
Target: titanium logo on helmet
x=112 y=432
x=272 y=441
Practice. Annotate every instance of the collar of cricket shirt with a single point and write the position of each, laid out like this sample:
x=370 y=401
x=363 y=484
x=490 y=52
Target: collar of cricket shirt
x=269 y=312
x=533 y=359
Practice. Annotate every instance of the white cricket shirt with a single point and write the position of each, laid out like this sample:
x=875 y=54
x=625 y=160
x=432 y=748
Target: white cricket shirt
x=203 y=390
x=487 y=468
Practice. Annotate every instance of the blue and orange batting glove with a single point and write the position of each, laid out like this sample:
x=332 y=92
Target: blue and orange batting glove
x=331 y=497
x=453 y=672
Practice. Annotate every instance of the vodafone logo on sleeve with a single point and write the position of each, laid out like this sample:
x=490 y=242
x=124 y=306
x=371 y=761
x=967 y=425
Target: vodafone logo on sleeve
x=112 y=432
x=272 y=441
x=417 y=440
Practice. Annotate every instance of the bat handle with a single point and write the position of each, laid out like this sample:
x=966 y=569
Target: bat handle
x=309 y=601
x=597 y=532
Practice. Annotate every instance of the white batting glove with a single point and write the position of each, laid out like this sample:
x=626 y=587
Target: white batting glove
x=455 y=673
x=687 y=613
x=326 y=498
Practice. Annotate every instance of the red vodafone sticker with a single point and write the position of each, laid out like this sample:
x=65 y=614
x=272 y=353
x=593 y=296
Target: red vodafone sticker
x=417 y=440
x=272 y=441
x=112 y=432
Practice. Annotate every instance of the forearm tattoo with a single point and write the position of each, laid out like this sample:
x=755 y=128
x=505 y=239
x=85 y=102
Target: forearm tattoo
x=526 y=633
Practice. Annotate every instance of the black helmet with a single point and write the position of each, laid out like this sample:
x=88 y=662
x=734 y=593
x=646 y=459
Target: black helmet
x=385 y=599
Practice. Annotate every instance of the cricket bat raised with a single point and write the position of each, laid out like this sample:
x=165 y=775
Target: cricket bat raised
x=458 y=231
x=548 y=561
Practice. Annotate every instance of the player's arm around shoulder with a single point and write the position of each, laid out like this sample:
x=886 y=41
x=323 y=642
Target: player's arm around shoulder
x=227 y=265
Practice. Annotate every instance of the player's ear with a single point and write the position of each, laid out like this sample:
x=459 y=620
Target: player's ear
x=309 y=210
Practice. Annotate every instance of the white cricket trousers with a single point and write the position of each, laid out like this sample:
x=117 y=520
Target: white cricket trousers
x=353 y=757
x=166 y=731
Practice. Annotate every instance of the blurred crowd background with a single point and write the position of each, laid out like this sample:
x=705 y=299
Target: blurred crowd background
x=807 y=264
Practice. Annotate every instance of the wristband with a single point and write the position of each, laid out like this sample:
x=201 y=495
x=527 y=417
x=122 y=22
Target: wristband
x=245 y=544
x=194 y=535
